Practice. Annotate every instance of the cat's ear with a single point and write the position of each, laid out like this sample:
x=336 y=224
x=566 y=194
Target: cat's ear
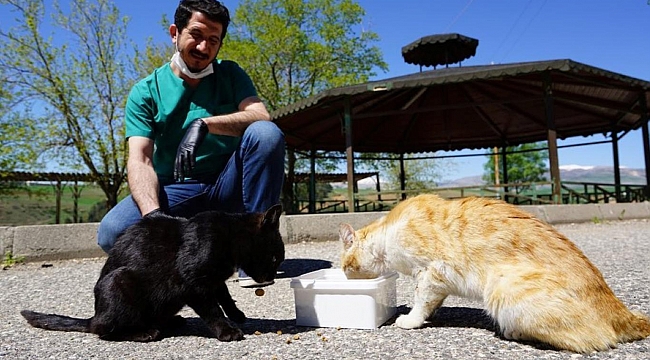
x=346 y=234
x=272 y=216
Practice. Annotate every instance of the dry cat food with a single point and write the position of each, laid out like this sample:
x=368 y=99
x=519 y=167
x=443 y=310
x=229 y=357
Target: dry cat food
x=259 y=292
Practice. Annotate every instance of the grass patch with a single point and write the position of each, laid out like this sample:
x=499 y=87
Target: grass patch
x=36 y=205
x=9 y=260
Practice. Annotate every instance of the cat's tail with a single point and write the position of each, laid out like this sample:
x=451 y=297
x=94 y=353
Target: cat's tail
x=635 y=326
x=56 y=322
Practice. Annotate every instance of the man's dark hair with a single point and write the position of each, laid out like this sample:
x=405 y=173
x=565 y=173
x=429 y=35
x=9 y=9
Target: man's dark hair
x=212 y=9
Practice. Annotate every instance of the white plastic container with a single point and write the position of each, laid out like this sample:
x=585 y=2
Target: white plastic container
x=326 y=298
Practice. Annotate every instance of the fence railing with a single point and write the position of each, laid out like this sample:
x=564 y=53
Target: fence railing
x=516 y=193
x=538 y=193
x=57 y=180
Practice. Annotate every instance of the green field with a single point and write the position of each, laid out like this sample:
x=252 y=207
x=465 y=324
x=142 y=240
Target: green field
x=36 y=205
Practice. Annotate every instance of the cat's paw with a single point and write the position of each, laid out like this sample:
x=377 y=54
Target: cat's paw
x=408 y=322
x=229 y=333
x=514 y=334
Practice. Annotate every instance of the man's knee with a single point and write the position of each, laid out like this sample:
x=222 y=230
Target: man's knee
x=123 y=215
x=106 y=234
x=267 y=131
x=109 y=230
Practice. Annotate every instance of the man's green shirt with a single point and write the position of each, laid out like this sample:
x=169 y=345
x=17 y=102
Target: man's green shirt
x=161 y=107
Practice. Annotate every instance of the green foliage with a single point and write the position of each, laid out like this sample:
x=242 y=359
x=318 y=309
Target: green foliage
x=419 y=174
x=9 y=260
x=293 y=49
x=15 y=133
x=322 y=191
x=79 y=89
x=526 y=163
x=154 y=55
x=36 y=205
x=326 y=162
x=97 y=212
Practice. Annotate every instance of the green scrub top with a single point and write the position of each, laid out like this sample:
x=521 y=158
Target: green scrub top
x=161 y=107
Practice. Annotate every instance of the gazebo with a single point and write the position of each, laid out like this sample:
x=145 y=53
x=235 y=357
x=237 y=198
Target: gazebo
x=472 y=107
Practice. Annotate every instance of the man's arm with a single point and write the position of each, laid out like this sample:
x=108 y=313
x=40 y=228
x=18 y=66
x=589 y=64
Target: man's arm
x=251 y=109
x=142 y=179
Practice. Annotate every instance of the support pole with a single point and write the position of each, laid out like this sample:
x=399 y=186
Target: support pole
x=402 y=176
x=552 y=140
x=646 y=142
x=504 y=166
x=617 y=168
x=497 y=181
x=58 y=189
x=76 y=194
x=378 y=188
x=288 y=188
x=349 y=153
x=312 y=182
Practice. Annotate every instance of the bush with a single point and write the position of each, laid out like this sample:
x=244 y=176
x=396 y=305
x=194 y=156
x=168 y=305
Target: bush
x=97 y=212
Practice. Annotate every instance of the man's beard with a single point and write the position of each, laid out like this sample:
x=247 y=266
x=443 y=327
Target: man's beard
x=196 y=56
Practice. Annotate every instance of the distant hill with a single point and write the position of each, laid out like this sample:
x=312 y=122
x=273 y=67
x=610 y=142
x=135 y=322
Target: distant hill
x=592 y=174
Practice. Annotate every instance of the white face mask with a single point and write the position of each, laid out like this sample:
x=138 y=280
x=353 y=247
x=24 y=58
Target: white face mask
x=180 y=64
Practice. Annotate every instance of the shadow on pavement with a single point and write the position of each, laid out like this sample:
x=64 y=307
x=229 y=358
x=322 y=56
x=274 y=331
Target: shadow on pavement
x=194 y=326
x=464 y=317
x=291 y=268
x=453 y=317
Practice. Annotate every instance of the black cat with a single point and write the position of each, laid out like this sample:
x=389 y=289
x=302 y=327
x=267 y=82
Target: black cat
x=162 y=263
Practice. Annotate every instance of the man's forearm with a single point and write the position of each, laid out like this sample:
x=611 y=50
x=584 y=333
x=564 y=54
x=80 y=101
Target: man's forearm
x=143 y=183
x=234 y=124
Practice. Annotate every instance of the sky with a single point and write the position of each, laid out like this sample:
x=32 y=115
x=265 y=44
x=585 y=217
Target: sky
x=610 y=34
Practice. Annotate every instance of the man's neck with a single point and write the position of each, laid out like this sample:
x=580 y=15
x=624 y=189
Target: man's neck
x=191 y=82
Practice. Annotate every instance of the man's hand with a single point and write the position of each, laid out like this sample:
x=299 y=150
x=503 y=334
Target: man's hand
x=186 y=153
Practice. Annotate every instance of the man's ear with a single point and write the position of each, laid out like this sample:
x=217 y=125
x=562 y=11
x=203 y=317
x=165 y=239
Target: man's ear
x=173 y=32
x=347 y=236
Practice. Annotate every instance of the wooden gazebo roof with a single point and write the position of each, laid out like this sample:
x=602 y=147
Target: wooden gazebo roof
x=468 y=108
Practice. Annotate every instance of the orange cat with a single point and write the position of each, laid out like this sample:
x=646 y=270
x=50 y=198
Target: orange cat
x=534 y=282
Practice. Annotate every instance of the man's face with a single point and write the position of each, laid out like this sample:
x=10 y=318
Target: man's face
x=199 y=42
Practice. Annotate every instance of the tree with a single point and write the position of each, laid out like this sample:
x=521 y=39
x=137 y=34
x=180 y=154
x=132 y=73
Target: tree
x=294 y=49
x=76 y=92
x=419 y=174
x=322 y=190
x=526 y=163
x=154 y=55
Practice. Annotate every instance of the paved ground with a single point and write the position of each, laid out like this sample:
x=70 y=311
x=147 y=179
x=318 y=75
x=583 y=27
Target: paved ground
x=459 y=330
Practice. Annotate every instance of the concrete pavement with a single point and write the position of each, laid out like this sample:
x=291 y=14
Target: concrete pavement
x=67 y=241
x=458 y=331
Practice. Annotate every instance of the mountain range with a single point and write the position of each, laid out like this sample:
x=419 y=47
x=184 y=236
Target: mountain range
x=578 y=173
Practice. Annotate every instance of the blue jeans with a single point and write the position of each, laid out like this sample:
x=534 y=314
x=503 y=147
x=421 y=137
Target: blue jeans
x=251 y=182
